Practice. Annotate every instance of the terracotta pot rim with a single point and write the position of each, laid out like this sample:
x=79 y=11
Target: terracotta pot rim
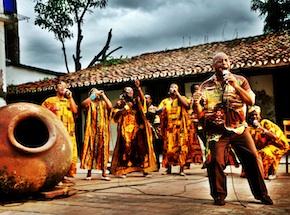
x=45 y=119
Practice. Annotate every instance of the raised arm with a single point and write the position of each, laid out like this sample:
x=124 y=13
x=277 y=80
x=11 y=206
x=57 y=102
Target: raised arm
x=106 y=99
x=243 y=90
x=183 y=100
x=140 y=92
x=73 y=106
x=197 y=99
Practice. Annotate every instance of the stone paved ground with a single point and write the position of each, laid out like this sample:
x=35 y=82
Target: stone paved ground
x=160 y=194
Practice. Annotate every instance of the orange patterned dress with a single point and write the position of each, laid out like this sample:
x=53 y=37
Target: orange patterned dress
x=133 y=151
x=194 y=154
x=95 y=154
x=61 y=108
x=174 y=120
x=271 y=150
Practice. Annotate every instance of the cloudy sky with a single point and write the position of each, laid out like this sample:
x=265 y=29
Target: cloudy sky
x=140 y=26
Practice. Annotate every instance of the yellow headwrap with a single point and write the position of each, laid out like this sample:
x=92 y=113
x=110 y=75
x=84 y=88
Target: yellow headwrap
x=255 y=108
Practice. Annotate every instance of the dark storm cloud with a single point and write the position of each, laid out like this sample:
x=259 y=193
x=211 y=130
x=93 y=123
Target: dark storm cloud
x=43 y=52
x=181 y=23
x=137 y=4
x=206 y=17
x=145 y=26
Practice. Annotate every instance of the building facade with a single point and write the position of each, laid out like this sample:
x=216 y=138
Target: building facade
x=12 y=72
x=264 y=60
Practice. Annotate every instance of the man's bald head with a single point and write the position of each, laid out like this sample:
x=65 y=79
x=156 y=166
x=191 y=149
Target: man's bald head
x=221 y=62
x=219 y=55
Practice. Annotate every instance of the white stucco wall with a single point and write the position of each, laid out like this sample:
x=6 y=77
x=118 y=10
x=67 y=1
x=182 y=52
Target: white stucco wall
x=15 y=75
x=262 y=82
x=2 y=49
x=113 y=95
x=2 y=102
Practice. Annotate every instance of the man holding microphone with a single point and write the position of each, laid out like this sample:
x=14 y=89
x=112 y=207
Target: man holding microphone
x=222 y=101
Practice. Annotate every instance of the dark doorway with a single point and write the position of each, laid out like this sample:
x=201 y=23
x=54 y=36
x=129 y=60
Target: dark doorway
x=159 y=89
x=281 y=80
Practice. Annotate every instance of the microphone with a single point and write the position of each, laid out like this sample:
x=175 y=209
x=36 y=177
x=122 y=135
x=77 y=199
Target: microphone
x=225 y=75
x=256 y=123
x=171 y=91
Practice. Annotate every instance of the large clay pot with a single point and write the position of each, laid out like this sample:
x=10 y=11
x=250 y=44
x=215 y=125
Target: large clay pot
x=35 y=149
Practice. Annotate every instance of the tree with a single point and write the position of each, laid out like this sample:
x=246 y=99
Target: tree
x=59 y=16
x=277 y=14
x=54 y=17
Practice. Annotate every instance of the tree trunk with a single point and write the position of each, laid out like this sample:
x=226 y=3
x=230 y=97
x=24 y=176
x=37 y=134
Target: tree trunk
x=103 y=52
x=77 y=57
x=64 y=54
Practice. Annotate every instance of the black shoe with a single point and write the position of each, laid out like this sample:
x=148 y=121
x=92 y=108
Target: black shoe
x=219 y=201
x=266 y=200
x=168 y=171
x=147 y=175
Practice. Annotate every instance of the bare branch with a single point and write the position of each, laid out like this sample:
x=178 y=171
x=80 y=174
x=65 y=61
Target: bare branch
x=113 y=51
x=103 y=51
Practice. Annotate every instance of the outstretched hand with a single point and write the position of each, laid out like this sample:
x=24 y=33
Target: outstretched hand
x=137 y=83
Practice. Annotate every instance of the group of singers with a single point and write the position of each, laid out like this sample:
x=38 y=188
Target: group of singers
x=143 y=130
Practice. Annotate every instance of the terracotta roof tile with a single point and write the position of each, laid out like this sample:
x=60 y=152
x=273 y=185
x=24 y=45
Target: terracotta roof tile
x=252 y=52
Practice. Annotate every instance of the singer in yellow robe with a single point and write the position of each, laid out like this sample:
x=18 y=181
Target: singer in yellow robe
x=95 y=154
x=174 y=128
x=270 y=141
x=133 y=151
x=64 y=107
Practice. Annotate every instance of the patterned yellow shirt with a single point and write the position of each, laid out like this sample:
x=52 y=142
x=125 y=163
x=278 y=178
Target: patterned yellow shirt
x=62 y=109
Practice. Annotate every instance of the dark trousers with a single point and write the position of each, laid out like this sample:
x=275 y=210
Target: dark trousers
x=245 y=149
x=158 y=148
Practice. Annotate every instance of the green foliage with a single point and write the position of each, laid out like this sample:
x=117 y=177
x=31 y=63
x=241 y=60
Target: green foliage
x=55 y=17
x=113 y=61
x=276 y=12
x=79 y=5
x=46 y=78
x=58 y=16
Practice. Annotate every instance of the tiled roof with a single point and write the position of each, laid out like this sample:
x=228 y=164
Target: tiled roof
x=263 y=51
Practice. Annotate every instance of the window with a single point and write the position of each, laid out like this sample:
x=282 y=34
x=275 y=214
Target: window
x=9 y=6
